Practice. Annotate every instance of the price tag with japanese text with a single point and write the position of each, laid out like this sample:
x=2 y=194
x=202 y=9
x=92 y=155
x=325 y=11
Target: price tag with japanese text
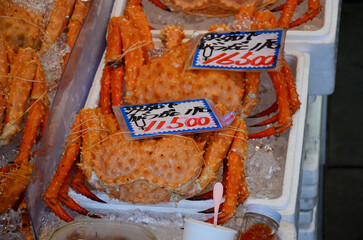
x=241 y=51
x=180 y=117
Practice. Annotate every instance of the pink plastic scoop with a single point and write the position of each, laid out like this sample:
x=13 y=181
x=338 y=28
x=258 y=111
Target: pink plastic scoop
x=217 y=198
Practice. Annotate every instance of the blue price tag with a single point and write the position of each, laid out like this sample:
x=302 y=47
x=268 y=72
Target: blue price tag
x=252 y=50
x=150 y=120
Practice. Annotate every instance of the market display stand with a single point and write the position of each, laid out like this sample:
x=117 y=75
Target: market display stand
x=83 y=65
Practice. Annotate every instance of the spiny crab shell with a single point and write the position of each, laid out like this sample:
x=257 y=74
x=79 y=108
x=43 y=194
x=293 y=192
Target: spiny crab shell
x=213 y=8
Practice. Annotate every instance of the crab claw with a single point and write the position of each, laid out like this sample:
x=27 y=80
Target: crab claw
x=267 y=121
x=268 y=111
x=54 y=205
x=161 y=5
x=78 y=186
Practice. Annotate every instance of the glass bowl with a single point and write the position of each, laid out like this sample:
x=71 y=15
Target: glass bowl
x=101 y=230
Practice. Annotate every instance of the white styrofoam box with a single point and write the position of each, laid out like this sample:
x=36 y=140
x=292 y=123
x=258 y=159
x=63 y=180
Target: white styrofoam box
x=305 y=218
x=312 y=142
x=309 y=232
x=309 y=191
x=322 y=47
x=286 y=204
x=306 y=204
x=320 y=44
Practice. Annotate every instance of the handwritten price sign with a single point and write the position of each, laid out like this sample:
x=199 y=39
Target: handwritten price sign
x=255 y=50
x=168 y=118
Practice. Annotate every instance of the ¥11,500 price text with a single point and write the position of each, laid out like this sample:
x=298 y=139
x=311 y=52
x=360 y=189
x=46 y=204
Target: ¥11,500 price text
x=176 y=123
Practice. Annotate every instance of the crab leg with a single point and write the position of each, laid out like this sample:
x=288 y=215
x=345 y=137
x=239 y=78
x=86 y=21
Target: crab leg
x=215 y=154
x=268 y=111
x=4 y=70
x=36 y=116
x=18 y=95
x=281 y=7
x=58 y=21
x=26 y=225
x=235 y=185
x=282 y=95
x=77 y=184
x=314 y=9
x=68 y=159
x=287 y=13
x=105 y=93
x=136 y=15
x=209 y=195
x=134 y=59
x=293 y=95
x=75 y=23
x=172 y=36
x=250 y=98
x=66 y=200
x=294 y=101
x=13 y=185
x=159 y=4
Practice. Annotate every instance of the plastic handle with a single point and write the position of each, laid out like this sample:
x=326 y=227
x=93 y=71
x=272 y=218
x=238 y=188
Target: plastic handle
x=217 y=198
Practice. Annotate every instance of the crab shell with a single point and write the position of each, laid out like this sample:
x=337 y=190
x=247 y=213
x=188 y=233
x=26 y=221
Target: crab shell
x=214 y=8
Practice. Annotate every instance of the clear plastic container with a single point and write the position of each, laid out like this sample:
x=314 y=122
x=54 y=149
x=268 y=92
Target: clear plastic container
x=259 y=222
x=101 y=230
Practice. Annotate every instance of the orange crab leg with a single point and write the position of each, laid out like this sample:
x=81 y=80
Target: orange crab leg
x=77 y=184
x=138 y=18
x=36 y=115
x=172 y=36
x=4 y=70
x=18 y=94
x=114 y=45
x=236 y=176
x=75 y=23
x=209 y=195
x=314 y=9
x=281 y=7
x=58 y=21
x=134 y=59
x=25 y=219
x=159 y=4
x=68 y=159
x=250 y=98
x=13 y=185
x=285 y=119
x=287 y=13
x=105 y=94
x=268 y=111
x=267 y=121
x=291 y=86
x=66 y=200
x=117 y=75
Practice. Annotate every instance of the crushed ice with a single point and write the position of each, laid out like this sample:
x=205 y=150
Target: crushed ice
x=52 y=60
x=10 y=222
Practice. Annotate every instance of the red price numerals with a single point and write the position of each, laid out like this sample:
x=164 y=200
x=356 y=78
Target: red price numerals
x=177 y=122
x=246 y=59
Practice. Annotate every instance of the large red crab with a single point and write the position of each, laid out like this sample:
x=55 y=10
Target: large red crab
x=151 y=170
